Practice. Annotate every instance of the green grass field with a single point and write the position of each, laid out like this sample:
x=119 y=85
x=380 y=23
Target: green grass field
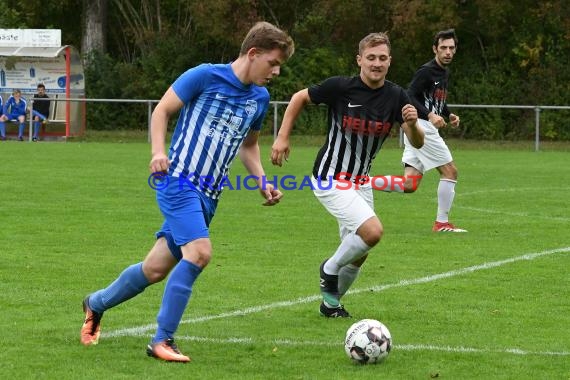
x=490 y=304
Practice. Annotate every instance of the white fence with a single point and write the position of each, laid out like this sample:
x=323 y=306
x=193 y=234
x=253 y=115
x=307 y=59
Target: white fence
x=276 y=104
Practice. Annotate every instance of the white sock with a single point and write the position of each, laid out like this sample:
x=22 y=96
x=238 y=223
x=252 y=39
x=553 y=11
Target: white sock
x=350 y=249
x=346 y=276
x=388 y=183
x=445 y=195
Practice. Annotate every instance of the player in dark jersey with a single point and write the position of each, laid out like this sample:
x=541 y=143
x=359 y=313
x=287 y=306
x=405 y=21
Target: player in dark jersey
x=40 y=111
x=428 y=92
x=361 y=113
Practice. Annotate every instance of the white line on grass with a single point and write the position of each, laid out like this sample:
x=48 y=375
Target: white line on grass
x=534 y=190
x=509 y=213
x=518 y=214
x=400 y=347
x=143 y=330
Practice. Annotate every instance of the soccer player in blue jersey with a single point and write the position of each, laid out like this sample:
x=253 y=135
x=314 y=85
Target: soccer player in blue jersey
x=221 y=108
x=428 y=92
x=361 y=112
x=14 y=109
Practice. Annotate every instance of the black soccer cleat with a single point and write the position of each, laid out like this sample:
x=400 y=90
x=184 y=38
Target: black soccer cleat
x=334 y=312
x=329 y=282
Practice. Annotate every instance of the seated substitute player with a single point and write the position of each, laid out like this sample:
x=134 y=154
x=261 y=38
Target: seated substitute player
x=222 y=107
x=40 y=111
x=14 y=109
x=428 y=92
x=361 y=112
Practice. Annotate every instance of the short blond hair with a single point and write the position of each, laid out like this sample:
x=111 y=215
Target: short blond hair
x=374 y=39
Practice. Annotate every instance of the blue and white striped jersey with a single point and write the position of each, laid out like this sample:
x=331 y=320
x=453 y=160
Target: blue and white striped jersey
x=217 y=115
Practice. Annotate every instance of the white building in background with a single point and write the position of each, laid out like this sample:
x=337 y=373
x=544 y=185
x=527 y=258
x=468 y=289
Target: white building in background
x=32 y=56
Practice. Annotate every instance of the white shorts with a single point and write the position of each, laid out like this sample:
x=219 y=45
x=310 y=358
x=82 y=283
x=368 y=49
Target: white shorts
x=433 y=154
x=351 y=207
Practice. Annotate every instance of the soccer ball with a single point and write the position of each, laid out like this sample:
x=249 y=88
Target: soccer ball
x=368 y=341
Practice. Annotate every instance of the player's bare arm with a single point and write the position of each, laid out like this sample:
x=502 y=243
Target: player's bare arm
x=250 y=156
x=280 y=149
x=411 y=128
x=169 y=105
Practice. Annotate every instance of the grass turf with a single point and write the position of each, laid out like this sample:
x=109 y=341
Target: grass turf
x=459 y=306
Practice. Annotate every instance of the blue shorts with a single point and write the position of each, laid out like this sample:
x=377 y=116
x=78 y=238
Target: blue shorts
x=13 y=116
x=40 y=115
x=187 y=213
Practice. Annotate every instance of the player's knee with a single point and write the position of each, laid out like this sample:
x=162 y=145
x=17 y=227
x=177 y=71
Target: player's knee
x=204 y=258
x=449 y=171
x=408 y=188
x=155 y=273
x=412 y=183
x=198 y=252
x=371 y=231
x=452 y=173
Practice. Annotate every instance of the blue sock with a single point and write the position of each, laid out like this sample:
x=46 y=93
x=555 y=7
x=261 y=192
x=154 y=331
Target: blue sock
x=176 y=296
x=130 y=282
x=2 y=129
x=21 y=129
x=37 y=125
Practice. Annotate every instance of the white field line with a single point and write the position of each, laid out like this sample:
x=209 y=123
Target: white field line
x=516 y=214
x=534 y=190
x=143 y=330
x=400 y=347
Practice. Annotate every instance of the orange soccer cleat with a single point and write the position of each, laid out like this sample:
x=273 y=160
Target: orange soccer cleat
x=91 y=326
x=167 y=351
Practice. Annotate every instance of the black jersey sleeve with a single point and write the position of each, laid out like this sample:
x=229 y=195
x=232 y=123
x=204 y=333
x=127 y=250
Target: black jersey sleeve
x=420 y=82
x=403 y=100
x=325 y=92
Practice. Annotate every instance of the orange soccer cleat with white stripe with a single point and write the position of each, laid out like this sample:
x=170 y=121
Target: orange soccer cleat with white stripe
x=91 y=326
x=167 y=351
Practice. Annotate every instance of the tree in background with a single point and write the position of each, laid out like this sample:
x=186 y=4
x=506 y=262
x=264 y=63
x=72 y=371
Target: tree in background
x=510 y=52
x=94 y=28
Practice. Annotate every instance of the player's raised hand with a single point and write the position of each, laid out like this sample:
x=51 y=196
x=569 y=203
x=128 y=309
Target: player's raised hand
x=454 y=120
x=280 y=151
x=437 y=121
x=409 y=114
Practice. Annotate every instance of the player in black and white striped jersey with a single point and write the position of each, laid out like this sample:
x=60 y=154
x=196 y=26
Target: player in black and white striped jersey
x=428 y=92
x=361 y=112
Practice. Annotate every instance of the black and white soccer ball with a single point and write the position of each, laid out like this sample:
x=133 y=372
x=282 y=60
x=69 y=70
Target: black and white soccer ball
x=368 y=341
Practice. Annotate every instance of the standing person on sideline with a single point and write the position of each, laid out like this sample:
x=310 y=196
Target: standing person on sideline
x=361 y=112
x=222 y=107
x=428 y=91
x=2 y=125
x=14 y=109
x=40 y=111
